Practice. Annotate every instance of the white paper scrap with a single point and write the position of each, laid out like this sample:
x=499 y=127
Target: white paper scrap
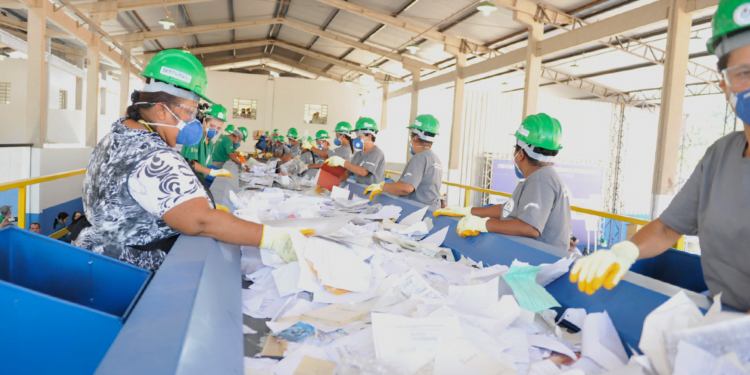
x=479 y=296
x=414 y=217
x=601 y=342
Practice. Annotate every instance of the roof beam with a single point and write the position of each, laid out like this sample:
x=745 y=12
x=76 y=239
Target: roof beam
x=218 y=48
x=398 y=22
x=142 y=36
x=332 y=60
x=306 y=68
x=281 y=60
x=337 y=37
x=208 y=63
x=124 y=5
x=22 y=25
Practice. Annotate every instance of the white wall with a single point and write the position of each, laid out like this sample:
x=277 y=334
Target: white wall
x=13 y=119
x=46 y=161
x=64 y=125
x=281 y=101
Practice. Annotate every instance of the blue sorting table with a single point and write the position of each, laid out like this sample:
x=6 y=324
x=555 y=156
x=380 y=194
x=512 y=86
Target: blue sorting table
x=627 y=304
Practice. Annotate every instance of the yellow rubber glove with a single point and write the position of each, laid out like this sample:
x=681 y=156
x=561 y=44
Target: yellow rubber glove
x=307 y=145
x=374 y=189
x=472 y=226
x=220 y=173
x=222 y=208
x=336 y=161
x=268 y=155
x=604 y=267
x=453 y=211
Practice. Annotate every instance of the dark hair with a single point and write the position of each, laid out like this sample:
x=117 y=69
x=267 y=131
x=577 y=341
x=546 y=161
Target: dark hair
x=422 y=141
x=60 y=216
x=134 y=110
x=77 y=212
x=37 y=223
x=723 y=61
x=538 y=150
x=349 y=138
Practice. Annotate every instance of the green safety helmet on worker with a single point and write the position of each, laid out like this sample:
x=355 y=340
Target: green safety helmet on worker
x=244 y=132
x=275 y=131
x=343 y=127
x=310 y=139
x=280 y=139
x=731 y=16
x=178 y=69
x=541 y=131
x=321 y=135
x=229 y=129
x=425 y=124
x=217 y=111
x=366 y=125
x=292 y=134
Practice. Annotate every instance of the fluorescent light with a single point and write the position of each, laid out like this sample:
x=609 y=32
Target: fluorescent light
x=375 y=69
x=486 y=7
x=413 y=48
x=167 y=23
x=575 y=64
x=348 y=83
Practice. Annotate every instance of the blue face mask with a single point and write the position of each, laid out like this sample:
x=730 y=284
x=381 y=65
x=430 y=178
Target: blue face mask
x=741 y=104
x=411 y=150
x=190 y=132
x=337 y=142
x=519 y=174
x=321 y=147
x=358 y=144
x=236 y=144
x=211 y=133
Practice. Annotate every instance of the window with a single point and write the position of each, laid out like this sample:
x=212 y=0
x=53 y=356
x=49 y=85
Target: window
x=63 y=99
x=245 y=109
x=316 y=114
x=4 y=92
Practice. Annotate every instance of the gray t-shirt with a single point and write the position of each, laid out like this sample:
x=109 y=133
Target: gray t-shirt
x=283 y=150
x=373 y=162
x=345 y=151
x=296 y=149
x=715 y=205
x=310 y=158
x=424 y=173
x=542 y=200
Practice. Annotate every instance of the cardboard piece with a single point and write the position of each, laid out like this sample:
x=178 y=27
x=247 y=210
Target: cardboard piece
x=326 y=180
x=334 y=314
x=274 y=347
x=314 y=366
x=336 y=171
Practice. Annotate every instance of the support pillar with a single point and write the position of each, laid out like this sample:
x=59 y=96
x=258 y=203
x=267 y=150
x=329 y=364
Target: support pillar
x=125 y=86
x=79 y=84
x=416 y=74
x=672 y=100
x=37 y=89
x=458 y=112
x=533 y=63
x=384 y=108
x=92 y=92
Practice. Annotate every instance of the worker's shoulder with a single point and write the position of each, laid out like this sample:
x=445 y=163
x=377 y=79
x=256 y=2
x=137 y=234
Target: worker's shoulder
x=728 y=142
x=547 y=175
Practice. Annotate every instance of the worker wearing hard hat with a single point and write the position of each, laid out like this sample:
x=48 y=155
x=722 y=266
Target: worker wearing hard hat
x=423 y=174
x=313 y=162
x=271 y=146
x=281 y=149
x=368 y=163
x=139 y=194
x=343 y=141
x=200 y=154
x=295 y=147
x=226 y=147
x=715 y=201
x=539 y=207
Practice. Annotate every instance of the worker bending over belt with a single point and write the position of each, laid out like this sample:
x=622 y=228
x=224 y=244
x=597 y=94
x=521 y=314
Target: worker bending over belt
x=343 y=142
x=715 y=202
x=200 y=154
x=271 y=146
x=368 y=163
x=313 y=162
x=139 y=194
x=540 y=205
x=295 y=147
x=226 y=146
x=423 y=174
x=281 y=150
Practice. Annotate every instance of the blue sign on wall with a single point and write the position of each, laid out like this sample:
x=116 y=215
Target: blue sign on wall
x=584 y=183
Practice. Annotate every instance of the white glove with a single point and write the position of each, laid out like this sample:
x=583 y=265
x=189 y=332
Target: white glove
x=307 y=145
x=604 y=267
x=472 y=226
x=453 y=211
x=220 y=173
x=336 y=161
x=278 y=240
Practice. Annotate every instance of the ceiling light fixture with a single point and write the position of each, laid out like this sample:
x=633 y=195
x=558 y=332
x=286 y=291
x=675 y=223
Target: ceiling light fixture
x=486 y=7
x=696 y=37
x=166 y=22
x=348 y=83
x=575 y=64
x=375 y=69
x=413 y=48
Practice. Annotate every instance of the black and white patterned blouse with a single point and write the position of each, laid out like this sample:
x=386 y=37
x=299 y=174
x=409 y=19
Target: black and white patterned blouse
x=133 y=178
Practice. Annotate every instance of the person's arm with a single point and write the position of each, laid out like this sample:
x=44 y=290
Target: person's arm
x=356 y=169
x=344 y=176
x=492 y=212
x=196 y=218
x=313 y=166
x=398 y=188
x=321 y=153
x=513 y=227
x=201 y=169
x=233 y=157
x=655 y=238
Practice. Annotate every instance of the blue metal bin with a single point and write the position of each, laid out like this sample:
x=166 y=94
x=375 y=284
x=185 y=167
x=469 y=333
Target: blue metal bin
x=61 y=307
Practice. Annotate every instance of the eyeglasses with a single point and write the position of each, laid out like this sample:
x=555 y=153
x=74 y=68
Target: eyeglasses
x=737 y=77
x=192 y=111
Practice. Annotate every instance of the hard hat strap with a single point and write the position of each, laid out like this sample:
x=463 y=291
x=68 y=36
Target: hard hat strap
x=534 y=155
x=157 y=86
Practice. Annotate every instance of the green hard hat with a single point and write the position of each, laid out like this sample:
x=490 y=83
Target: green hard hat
x=244 y=132
x=343 y=127
x=292 y=133
x=229 y=129
x=426 y=123
x=321 y=134
x=179 y=68
x=309 y=139
x=541 y=131
x=276 y=131
x=730 y=16
x=280 y=138
x=274 y=139
x=218 y=112
x=366 y=123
